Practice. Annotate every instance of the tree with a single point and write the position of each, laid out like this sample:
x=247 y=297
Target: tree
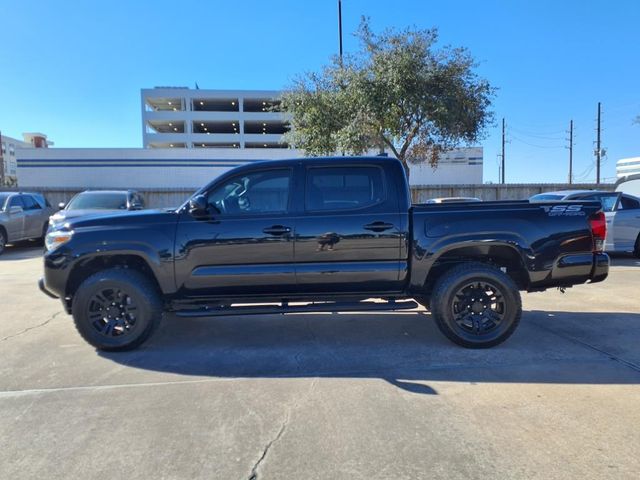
x=398 y=92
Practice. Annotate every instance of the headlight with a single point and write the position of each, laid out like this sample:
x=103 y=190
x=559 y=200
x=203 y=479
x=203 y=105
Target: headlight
x=56 y=238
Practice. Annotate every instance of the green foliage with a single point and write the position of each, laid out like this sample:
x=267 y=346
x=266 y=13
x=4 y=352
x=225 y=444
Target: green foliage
x=398 y=92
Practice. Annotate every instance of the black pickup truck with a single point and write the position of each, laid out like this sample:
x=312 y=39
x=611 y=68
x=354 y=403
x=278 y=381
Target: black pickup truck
x=319 y=234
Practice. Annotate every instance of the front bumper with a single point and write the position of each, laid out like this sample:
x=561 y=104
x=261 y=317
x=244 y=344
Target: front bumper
x=44 y=290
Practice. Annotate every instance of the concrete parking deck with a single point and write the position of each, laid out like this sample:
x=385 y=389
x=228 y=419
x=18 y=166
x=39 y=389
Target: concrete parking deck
x=327 y=396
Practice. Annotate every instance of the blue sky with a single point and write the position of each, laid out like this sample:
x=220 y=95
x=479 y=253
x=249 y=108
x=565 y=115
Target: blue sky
x=74 y=69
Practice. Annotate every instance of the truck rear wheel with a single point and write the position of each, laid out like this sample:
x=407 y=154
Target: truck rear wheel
x=476 y=305
x=116 y=309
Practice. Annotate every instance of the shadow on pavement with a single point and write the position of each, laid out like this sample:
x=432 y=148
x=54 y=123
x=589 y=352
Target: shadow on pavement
x=404 y=349
x=22 y=251
x=622 y=260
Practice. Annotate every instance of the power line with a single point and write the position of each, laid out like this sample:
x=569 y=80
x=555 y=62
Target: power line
x=535 y=136
x=534 y=144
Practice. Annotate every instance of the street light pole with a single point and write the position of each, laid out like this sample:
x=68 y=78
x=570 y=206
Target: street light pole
x=340 y=27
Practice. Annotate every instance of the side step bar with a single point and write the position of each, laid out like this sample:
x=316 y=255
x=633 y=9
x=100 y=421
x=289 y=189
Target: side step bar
x=284 y=307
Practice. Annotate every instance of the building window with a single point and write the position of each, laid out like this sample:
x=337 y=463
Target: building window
x=4 y=148
x=209 y=127
x=164 y=104
x=276 y=127
x=261 y=105
x=216 y=104
x=165 y=126
x=12 y=149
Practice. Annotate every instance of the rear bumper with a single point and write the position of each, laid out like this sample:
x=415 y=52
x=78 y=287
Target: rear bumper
x=600 y=269
x=579 y=268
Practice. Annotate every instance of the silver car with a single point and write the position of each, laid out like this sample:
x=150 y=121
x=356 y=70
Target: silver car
x=621 y=210
x=97 y=202
x=23 y=216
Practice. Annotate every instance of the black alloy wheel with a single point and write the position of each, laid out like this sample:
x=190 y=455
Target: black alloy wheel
x=476 y=305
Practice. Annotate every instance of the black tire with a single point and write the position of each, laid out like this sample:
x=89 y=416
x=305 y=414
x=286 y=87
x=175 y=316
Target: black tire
x=3 y=240
x=636 y=249
x=117 y=309
x=476 y=305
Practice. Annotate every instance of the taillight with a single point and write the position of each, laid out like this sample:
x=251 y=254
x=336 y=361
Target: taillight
x=598 y=224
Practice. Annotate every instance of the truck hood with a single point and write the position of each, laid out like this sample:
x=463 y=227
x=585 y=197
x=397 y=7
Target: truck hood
x=66 y=215
x=119 y=218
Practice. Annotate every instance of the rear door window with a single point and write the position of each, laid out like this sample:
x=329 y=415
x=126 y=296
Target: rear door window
x=343 y=188
x=30 y=203
x=628 y=203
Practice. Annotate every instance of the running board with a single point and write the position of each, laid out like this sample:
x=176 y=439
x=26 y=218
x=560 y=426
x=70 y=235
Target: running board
x=285 y=307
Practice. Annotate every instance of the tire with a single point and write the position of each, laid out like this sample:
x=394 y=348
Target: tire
x=636 y=249
x=3 y=240
x=112 y=326
x=476 y=305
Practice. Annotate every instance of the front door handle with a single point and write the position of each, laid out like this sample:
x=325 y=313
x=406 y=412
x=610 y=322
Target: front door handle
x=378 y=226
x=276 y=230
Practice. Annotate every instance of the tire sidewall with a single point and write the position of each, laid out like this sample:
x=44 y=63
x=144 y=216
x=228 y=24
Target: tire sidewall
x=144 y=318
x=442 y=307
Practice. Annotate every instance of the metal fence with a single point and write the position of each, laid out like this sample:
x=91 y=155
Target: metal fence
x=159 y=198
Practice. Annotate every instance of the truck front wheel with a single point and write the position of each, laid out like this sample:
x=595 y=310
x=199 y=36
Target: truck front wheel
x=476 y=305
x=116 y=309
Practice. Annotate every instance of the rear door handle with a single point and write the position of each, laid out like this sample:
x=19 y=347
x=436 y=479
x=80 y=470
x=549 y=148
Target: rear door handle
x=378 y=226
x=276 y=230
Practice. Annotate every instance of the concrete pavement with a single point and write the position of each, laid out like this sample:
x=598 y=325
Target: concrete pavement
x=358 y=396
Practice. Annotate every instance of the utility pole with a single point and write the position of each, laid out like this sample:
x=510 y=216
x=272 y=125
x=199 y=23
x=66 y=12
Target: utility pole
x=503 y=140
x=1 y=163
x=570 y=152
x=598 y=149
x=340 y=27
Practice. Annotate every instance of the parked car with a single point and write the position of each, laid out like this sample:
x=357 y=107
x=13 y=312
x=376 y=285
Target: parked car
x=97 y=202
x=23 y=216
x=621 y=210
x=330 y=233
x=453 y=200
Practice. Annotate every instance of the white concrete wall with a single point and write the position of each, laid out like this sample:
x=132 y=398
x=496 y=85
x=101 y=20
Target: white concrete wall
x=179 y=168
x=133 y=167
x=458 y=167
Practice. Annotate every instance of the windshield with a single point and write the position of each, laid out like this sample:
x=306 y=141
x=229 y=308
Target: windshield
x=3 y=199
x=98 y=201
x=546 y=197
x=608 y=202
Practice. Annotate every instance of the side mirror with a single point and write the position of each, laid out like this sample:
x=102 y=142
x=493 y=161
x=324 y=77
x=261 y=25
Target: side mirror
x=16 y=209
x=198 y=206
x=61 y=205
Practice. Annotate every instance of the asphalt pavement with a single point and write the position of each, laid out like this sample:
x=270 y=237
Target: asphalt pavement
x=323 y=396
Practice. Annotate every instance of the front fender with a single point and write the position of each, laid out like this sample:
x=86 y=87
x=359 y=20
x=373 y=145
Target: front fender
x=154 y=246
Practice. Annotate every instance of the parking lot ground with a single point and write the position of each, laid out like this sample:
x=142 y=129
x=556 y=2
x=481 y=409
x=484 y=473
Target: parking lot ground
x=327 y=396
